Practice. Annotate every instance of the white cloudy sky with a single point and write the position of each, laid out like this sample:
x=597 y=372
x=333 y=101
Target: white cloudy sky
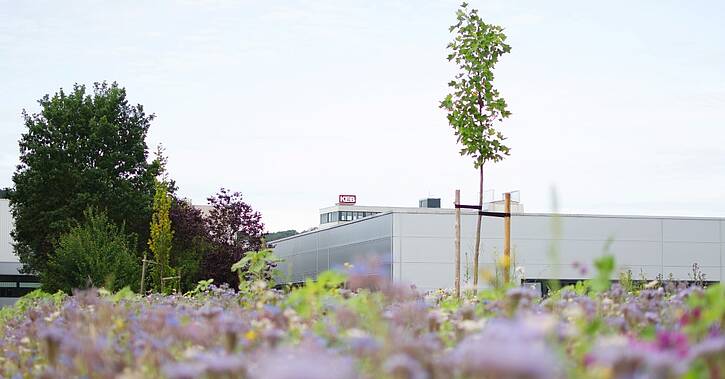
x=618 y=105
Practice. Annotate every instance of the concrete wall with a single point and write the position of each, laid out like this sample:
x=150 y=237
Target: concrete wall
x=546 y=246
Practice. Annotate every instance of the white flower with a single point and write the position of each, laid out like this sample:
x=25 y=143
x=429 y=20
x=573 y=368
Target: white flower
x=652 y=284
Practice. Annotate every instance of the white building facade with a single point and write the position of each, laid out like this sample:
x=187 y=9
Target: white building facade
x=13 y=284
x=416 y=245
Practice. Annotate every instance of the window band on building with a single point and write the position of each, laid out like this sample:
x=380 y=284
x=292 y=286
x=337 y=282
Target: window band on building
x=329 y=217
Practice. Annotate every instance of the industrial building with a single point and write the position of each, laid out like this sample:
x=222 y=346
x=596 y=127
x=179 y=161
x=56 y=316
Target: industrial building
x=13 y=284
x=416 y=245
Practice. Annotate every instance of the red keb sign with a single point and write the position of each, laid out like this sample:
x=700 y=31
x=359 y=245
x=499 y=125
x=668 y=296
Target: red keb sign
x=347 y=199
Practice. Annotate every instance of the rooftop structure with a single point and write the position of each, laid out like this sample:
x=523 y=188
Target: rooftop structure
x=341 y=213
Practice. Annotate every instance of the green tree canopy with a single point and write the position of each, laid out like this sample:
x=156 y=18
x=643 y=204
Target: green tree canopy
x=161 y=235
x=475 y=105
x=81 y=150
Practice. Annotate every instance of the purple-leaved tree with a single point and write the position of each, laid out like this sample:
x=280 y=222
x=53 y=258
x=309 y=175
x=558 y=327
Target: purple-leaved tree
x=234 y=228
x=190 y=243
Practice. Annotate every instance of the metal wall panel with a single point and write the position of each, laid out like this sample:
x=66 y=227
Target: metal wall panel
x=427 y=276
x=308 y=254
x=722 y=250
x=691 y=230
x=421 y=249
x=423 y=243
x=6 y=225
x=585 y=228
x=566 y=251
x=647 y=246
x=687 y=253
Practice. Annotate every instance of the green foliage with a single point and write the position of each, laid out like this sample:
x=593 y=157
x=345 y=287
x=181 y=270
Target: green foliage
x=367 y=305
x=503 y=267
x=475 y=105
x=28 y=301
x=601 y=281
x=80 y=150
x=604 y=266
x=201 y=287
x=96 y=253
x=711 y=307
x=124 y=293
x=255 y=266
x=188 y=264
x=626 y=280
x=629 y=284
x=308 y=299
x=161 y=236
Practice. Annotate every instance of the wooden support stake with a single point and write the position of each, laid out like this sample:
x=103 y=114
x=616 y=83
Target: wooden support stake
x=458 y=244
x=143 y=273
x=507 y=237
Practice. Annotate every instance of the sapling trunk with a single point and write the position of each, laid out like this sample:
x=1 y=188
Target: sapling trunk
x=477 y=248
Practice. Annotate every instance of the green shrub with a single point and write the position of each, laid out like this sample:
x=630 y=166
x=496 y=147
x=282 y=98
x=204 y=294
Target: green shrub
x=28 y=301
x=96 y=253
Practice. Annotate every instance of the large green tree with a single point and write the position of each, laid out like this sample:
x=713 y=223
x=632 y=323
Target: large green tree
x=81 y=150
x=474 y=106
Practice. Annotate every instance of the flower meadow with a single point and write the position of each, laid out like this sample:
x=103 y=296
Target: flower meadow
x=355 y=325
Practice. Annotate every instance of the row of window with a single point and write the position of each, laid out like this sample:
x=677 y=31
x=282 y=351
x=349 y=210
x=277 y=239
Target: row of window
x=19 y=285
x=344 y=216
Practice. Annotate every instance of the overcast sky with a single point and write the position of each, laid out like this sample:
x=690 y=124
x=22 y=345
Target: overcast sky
x=620 y=106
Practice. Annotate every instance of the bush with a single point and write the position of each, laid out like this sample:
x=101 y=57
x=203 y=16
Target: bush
x=96 y=253
x=27 y=302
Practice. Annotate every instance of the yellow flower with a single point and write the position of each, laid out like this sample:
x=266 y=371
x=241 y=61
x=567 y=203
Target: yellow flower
x=505 y=261
x=250 y=335
x=119 y=323
x=487 y=275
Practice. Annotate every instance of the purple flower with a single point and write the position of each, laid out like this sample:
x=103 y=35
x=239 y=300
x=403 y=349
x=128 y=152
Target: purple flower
x=402 y=366
x=302 y=362
x=53 y=337
x=184 y=370
x=221 y=365
x=672 y=341
x=710 y=347
x=504 y=349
